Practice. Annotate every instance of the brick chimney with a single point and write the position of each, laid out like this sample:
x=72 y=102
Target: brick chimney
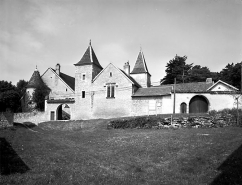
x=127 y=68
x=57 y=69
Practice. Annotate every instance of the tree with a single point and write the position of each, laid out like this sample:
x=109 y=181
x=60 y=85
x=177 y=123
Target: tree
x=176 y=68
x=39 y=95
x=231 y=74
x=199 y=74
x=9 y=97
x=21 y=87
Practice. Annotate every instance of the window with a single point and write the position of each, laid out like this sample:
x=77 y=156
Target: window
x=110 y=74
x=83 y=94
x=83 y=77
x=110 y=90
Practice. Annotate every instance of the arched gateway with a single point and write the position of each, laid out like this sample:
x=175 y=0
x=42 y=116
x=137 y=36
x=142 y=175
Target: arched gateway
x=60 y=109
x=198 y=104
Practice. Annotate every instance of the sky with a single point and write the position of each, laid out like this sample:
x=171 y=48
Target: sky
x=47 y=32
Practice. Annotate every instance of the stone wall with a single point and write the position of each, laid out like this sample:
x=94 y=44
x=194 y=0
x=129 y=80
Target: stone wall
x=33 y=117
x=6 y=119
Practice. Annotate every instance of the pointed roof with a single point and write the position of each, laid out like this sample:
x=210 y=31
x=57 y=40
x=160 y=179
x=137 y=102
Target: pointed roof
x=35 y=80
x=89 y=57
x=140 y=65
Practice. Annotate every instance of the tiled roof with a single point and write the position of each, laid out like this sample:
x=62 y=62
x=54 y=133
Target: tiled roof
x=69 y=80
x=35 y=80
x=89 y=57
x=130 y=78
x=153 y=91
x=193 y=87
x=140 y=65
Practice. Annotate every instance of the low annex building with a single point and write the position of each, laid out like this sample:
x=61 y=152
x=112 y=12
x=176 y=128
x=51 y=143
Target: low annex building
x=97 y=92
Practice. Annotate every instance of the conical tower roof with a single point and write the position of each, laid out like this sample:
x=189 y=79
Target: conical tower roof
x=89 y=57
x=35 y=80
x=140 y=65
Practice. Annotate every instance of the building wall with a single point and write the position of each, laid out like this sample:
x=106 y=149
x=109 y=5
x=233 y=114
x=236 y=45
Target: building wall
x=216 y=101
x=142 y=79
x=59 y=90
x=33 y=117
x=221 y=87
x=83 y=105
x=54 y=107
x=96 y=104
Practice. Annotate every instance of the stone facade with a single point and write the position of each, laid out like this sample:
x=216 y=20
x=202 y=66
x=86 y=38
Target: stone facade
x=111 y=92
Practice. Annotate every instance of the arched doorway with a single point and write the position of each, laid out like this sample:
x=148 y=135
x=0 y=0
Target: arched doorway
x=183 y=108
x=63 y=112
x=198 y=104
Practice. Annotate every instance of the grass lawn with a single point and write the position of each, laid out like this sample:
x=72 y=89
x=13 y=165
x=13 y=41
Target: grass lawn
x=85 y=152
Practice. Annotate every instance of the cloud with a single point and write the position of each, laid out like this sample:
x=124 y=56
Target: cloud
x=114 y=53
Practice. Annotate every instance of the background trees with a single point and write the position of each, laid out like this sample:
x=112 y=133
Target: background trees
x=183 y=72
x=39 y=95
x=10 y=95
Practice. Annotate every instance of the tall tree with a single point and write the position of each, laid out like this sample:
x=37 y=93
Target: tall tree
x=21 y=87
x=198 y=74
x=9 y=97
x=40 y=92
x=176 y=68
x=231 y=74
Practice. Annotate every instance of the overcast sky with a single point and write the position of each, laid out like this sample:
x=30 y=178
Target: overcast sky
x=46 y=32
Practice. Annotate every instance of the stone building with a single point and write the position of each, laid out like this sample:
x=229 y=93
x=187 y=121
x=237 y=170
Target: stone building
x=98 y=92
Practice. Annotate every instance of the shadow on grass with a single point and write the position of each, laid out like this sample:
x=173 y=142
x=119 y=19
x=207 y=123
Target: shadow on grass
x=10 y=162
x=231 y=169
x=25 y=124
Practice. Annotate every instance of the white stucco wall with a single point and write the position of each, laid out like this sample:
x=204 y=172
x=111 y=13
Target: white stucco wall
x=216 y=101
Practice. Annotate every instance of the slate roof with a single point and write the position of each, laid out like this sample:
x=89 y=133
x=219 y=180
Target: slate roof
x=153 y=91
x=69 y=80
x=130 y=78
x=140 y=65
x=35 y=80
x=89 y=57
x=194 y=87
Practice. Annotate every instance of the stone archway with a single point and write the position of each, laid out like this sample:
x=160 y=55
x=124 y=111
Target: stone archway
x=63 y=112
x=198 y=104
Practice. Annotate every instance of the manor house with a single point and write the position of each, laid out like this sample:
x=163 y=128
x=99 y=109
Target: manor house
x=97 y=92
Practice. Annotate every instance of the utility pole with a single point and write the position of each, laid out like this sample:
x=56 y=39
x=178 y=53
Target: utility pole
x=174 y=103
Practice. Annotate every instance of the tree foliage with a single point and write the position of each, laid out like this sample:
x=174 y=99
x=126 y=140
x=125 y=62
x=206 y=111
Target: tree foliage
x=39 y=95
x=9 y=97
x=21 y=87
x=176 y=68
x=198 y=74
x=231 y=74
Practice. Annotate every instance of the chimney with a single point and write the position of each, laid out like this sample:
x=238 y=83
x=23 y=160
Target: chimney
x=209 y=80
x=57 y=69
x=127 y=68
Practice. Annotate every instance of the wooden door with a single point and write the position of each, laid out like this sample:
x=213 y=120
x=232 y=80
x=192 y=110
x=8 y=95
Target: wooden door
x=198 y=104
x=183 y=108
x=52 y=115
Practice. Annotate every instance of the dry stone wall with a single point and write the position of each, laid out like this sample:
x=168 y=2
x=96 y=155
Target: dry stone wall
x=33 y=117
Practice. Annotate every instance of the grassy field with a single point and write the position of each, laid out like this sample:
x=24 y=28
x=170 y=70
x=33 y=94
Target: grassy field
x=85 y=152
